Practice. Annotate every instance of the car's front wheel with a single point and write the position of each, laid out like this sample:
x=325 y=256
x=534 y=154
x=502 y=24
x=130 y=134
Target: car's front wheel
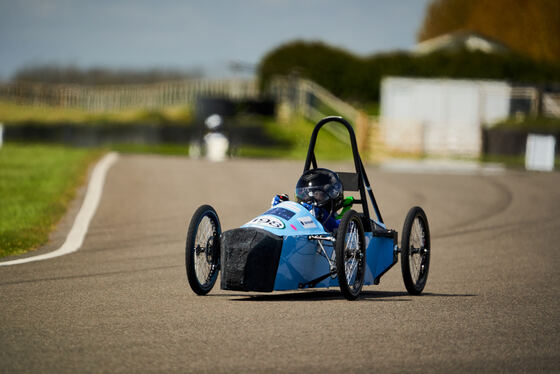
x=350 y=255
x=202 y=250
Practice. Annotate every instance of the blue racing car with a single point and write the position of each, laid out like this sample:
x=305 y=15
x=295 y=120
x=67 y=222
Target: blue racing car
x=316 y=241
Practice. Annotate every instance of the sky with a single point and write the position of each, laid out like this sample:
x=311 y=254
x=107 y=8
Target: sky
x=202 y=35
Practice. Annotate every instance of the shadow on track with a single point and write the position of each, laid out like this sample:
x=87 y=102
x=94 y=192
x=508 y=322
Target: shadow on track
x=335 y=295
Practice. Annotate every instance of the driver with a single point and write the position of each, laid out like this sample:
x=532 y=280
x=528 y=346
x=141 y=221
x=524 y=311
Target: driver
x=320 y=191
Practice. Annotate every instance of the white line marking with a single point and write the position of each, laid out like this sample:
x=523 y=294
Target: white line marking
x=79 y=229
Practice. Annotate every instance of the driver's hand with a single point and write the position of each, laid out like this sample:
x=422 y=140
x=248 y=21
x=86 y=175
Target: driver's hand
x=277 y=199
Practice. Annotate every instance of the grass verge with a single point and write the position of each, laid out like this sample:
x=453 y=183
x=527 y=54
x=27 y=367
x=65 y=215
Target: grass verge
x=295 y=134
x=37 y=182
x=21 y=113
x=158 y=149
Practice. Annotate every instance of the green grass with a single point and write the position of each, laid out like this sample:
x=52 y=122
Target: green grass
x=37 y=182
x=13 y=113
x=294 y=137
x=159 y=149
x=371 y=108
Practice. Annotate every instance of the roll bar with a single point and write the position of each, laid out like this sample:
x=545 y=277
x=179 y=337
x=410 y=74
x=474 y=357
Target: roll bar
x=363 y=182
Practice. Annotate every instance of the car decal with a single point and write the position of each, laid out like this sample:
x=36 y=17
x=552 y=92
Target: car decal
x=267 y=221
x=307 y=222
x=281 y=212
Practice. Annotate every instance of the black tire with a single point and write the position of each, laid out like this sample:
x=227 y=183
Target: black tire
x=202 y=251
x=350 y=255
x=415 y=251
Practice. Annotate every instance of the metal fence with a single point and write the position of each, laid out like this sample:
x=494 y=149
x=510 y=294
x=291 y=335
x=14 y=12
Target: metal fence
x=116 y=98
x=307 y=98
x=551 y=105
x=532 y=101
x=310 y=99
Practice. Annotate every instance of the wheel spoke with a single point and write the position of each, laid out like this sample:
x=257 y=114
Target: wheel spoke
x=350 y=236
x=416 y=249
x=203 y=268
x=351 y=251
x=350 y=270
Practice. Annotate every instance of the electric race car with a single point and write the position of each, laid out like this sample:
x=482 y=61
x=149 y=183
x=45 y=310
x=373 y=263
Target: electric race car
x=306 y=244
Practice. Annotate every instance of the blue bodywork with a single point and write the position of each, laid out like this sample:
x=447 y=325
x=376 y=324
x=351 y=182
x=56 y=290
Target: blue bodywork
x=301 y=259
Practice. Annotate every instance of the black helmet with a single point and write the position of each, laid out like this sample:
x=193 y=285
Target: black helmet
x=320 y=187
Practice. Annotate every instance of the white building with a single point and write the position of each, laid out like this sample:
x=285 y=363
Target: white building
x=440 y=116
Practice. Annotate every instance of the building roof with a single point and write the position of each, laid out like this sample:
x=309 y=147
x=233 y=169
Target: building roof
x=468 y=40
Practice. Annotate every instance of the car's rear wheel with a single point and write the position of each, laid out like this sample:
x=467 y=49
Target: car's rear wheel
x=415 y=252
x=202 y=251
x=350 y=255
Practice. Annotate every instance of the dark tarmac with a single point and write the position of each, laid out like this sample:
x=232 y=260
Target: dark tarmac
x=122 y=302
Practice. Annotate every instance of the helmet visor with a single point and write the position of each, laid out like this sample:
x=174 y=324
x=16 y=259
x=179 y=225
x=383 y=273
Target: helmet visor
x=312 y=195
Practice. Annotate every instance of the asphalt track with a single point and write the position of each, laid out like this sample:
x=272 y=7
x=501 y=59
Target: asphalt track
x=122 y=303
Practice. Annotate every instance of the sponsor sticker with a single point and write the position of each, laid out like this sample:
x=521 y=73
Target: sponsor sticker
x=281 y=212
x=267 y=221
x=307 y=223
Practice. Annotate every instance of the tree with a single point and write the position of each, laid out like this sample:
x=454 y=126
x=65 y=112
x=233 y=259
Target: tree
x=530 y=27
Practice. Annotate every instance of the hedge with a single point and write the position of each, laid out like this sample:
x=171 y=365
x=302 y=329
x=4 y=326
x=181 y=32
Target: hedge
x=355 y=78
